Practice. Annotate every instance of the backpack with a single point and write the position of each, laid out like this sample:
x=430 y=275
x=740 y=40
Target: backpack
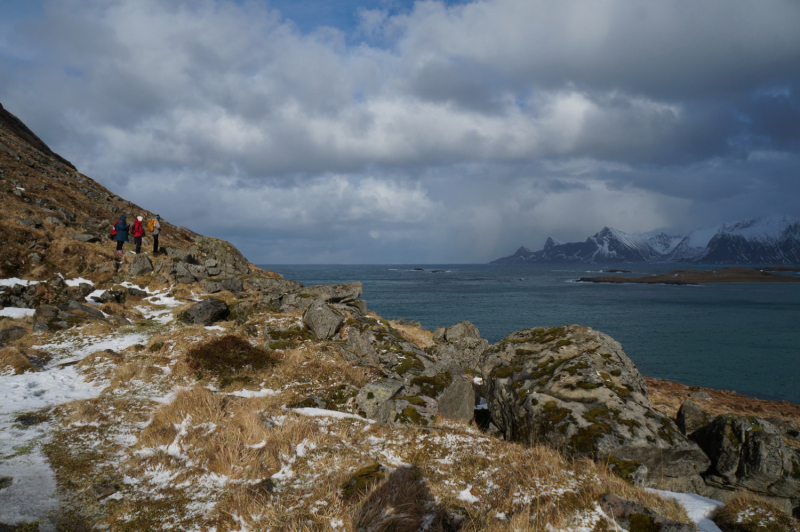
x=113 y=232
x=151 y=225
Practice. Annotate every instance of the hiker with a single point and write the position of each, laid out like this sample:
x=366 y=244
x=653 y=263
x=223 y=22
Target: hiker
x=138 y=233
x=119 y=232
x=154 y=226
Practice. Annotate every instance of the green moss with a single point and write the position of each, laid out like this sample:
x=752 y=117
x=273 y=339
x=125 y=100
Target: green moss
x=433 y=386
x=562 y=343
x=621 y=391
x=414 y=400
x=407 y=363
x=616 y=372
x=572 y=370
x=585 y=440
x=156 y=346
x=502 y=372
x=624 y=469
x=524 y=352
x=411 y=415
x=588 y=385
x=25 y=527
x=643 y=523
x=362 y=480
x=282 y=344
x=593 y=416
x=554 y=413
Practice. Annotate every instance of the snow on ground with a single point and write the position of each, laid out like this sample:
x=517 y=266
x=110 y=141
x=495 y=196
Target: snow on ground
x=78 y=281
x=16 y=313
x=699 y=509
x=321 y=412
x=11 y=281
x=32 y=493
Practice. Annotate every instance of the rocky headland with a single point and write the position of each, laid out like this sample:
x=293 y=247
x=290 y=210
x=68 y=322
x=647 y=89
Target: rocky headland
x=689 y=277
x=192 y=390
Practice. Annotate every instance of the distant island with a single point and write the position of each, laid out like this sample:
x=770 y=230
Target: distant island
x=685 y=277
x=764 y=240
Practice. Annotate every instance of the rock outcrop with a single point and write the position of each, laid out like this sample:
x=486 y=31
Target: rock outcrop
x=322 y=320
x=750 y=453
x=416 y=387
x=461 y=342
x=575 y=389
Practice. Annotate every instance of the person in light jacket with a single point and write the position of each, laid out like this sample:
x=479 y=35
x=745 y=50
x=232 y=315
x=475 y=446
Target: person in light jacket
x=155 y=232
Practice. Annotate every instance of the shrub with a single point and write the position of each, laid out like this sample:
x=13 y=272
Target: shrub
x=225 y=356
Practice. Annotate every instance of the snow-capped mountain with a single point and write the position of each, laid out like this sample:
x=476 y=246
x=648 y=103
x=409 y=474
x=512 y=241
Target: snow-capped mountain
x=764 y=240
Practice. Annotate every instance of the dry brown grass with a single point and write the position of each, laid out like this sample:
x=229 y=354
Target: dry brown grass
x=13 y=361
x=413 y=333
x=669 y=396
x=748 y=512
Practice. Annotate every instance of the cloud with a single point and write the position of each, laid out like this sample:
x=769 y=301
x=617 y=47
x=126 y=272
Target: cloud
x=439 y=132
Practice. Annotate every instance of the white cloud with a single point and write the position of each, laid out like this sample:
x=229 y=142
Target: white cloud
x=465 y=128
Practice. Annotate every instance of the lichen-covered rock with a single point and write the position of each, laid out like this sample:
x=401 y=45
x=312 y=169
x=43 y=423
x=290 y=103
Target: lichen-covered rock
x=206 y=312
x=421 y=387
x=322 y=320
x=749 y=452
x=575 y=389
x=140 y=265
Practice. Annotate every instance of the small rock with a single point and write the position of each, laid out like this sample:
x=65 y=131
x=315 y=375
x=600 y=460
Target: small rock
x=101 y=491
x=53 y=220
x=12 y=333
x=6 y=482
x=692 y=418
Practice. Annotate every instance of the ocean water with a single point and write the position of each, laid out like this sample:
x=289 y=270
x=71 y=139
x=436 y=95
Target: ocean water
x=738 y=336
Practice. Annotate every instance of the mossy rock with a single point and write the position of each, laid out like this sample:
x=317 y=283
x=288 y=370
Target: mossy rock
x=433 y=386
x=624 y=469
x=362 y=480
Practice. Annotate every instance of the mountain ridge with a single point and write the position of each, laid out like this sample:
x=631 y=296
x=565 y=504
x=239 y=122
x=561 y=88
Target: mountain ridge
x=761 y=240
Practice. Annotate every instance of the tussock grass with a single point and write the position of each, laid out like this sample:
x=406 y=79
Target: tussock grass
x=227 y=358
x=748 y=512
x=413 y=333
x=12 y=361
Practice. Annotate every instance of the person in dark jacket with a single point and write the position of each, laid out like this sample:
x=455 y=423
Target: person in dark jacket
x=138 y=233
x=155 y=231
x=122 y=227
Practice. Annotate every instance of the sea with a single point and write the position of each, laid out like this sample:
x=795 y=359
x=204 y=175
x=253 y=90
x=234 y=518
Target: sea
x=743 y=337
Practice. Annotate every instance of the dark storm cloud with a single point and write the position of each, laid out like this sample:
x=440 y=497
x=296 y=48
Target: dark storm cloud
x=452 y=132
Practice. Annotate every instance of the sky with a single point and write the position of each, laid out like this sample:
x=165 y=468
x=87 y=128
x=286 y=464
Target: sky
x=388 y=131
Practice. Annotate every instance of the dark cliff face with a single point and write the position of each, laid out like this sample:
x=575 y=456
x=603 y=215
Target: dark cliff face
x=15 y=126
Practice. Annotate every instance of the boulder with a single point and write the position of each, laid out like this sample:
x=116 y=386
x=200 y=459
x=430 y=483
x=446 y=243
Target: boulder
x=749 y=452
x=140 y=265
x=322 y=320
x=335 y=293
x=206 y=312
x=461 y=342
x=691 y=418
x=228 y=259
x=79 y=307
x=12 y=333
x=420 y=387
x=181 y=274
x=50 y=318
x=575 y=389
x=218 y=285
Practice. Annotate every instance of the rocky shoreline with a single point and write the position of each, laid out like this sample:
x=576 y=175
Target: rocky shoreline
x=693 y=277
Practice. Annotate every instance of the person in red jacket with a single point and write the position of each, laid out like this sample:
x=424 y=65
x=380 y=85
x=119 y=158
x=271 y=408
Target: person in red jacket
x=138 y=233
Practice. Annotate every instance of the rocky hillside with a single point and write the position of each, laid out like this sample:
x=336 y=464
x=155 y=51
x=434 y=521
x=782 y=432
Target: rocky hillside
x=191 y=390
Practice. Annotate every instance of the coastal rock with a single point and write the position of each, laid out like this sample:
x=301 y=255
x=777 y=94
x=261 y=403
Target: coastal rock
x=322 y=320
x=229 y=261
x=427 y=387
x=206 y=312
x=335 y=293
x=461 y=342
x=691 y=418
x=749 y=452
x=140 y=265
x=575 y=389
